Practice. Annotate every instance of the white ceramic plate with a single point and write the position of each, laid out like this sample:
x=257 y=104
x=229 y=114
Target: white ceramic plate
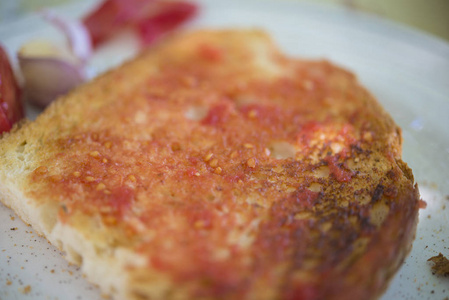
x=407 y=71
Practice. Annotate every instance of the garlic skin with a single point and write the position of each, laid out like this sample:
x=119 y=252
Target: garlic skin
x=48 y=71
x=77 y=35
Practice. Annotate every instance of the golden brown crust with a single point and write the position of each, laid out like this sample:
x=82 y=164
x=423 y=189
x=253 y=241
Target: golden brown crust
x=213 y=167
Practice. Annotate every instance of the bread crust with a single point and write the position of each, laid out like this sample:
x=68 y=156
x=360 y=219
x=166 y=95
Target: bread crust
x=215 y=167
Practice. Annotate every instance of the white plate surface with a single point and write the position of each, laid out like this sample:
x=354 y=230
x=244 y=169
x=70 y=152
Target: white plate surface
x=407 y=71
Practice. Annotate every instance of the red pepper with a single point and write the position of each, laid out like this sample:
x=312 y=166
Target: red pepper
x=5 y=125
x=11 y=109
x=151 y=18
x=170 y=15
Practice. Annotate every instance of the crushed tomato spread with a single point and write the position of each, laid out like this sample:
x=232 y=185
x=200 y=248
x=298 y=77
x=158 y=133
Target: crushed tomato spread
x=213 y=170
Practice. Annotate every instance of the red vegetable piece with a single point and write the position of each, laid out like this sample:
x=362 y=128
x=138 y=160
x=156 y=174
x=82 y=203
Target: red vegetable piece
x=111 y=16
x=5 y=125
x=168 y=17
x=151 y=18
x=11 y=109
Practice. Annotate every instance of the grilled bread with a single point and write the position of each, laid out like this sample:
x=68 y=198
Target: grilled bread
x=215 y=167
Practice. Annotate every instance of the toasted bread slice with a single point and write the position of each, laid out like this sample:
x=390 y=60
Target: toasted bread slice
x=214 y=167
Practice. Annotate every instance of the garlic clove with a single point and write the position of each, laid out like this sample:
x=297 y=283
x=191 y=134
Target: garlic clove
x=48 y=72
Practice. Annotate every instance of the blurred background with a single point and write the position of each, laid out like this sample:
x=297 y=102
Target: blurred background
x=430 y=16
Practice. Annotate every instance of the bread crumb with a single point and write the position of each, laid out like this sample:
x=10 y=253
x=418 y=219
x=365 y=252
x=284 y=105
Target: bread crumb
x=8 y=282
x=441 y=264
x=26 y=290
